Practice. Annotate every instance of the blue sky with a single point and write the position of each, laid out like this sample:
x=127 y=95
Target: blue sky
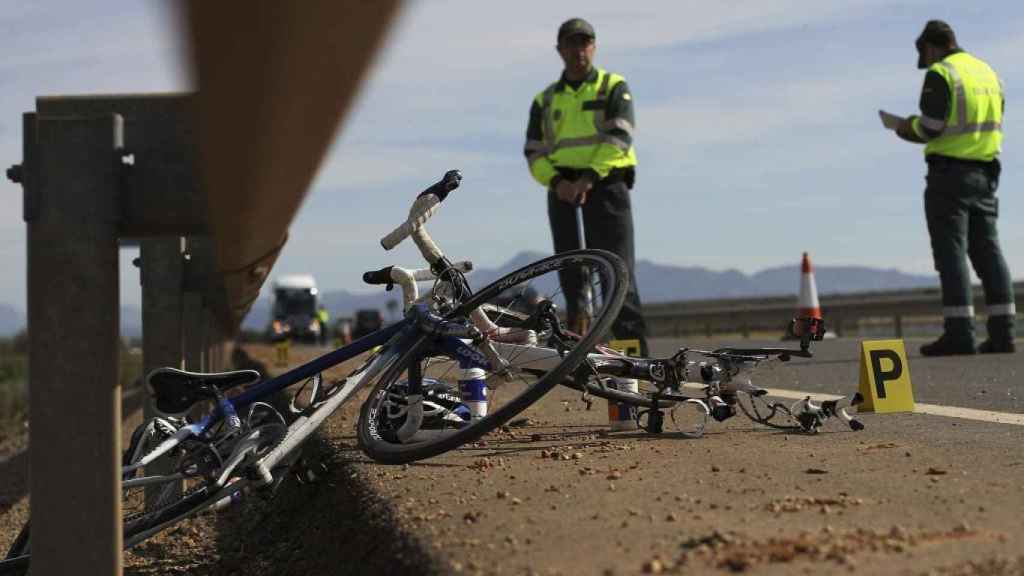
x=757 y=132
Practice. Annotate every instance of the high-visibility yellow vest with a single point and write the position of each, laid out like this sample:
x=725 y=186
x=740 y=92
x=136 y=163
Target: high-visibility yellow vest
x=576 y=130
x=973 y=126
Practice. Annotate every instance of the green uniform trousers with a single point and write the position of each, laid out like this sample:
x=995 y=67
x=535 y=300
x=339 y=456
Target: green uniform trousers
x=961 y=209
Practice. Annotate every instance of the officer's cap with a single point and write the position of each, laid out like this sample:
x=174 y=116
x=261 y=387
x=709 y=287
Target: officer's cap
x=574 y=27
x=937 y=33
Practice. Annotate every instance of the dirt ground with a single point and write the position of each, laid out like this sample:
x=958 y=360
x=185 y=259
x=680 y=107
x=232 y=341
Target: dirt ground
x=912 y=494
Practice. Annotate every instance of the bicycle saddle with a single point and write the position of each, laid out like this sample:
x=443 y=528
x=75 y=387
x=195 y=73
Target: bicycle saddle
x=175 y=391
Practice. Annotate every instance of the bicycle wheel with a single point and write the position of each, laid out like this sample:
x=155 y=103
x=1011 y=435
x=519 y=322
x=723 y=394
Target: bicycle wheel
x=180 y=482
x=194 y=475
x=396 y=427
x=166 y=489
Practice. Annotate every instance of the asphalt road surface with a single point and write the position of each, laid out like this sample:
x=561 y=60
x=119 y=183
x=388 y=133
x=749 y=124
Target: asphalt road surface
x=984 y=382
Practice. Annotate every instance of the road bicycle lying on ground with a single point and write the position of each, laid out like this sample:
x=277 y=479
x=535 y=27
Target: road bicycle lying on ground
x=724 y=382
x=724 y=377
x=530 y=331
x=178 y=465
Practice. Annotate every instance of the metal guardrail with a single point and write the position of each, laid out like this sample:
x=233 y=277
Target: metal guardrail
x=226 y=169
x=842 y=312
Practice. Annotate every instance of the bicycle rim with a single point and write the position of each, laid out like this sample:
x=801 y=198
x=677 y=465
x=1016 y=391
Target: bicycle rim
x=452 y=413
x=172 y=478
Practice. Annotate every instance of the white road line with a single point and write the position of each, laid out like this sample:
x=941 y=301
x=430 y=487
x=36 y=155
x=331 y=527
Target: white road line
x=933 y=409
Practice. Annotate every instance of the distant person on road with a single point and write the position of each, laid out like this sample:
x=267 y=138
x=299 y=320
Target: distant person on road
x=961 y=126
x=579 y=145
x=324 y=319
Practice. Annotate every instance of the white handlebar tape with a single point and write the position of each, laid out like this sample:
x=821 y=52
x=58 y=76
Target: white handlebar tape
x=424 y=274
x=422 y=209
x=431 y=253
x=406 y=279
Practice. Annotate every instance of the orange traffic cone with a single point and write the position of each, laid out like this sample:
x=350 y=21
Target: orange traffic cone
x=808 y=302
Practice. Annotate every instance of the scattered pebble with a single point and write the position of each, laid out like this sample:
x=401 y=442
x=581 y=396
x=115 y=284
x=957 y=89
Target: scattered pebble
x=653 y=567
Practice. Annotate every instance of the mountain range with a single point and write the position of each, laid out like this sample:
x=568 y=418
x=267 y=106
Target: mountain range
x=658 y=283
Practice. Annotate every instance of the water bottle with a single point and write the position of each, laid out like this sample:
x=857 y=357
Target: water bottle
x=473 y=391
x=622 y=416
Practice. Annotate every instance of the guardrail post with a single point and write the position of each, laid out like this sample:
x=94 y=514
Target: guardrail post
x=162 y=273
x=161 y=269
x=193 y=321
x=203 y=329
x=898 y=325
x=74 y=311
x=217 y=344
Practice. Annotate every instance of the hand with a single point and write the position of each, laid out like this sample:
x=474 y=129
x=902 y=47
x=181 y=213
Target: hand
x=566 y=191
x=583 y=187
x=574 y=192
x=905 y=130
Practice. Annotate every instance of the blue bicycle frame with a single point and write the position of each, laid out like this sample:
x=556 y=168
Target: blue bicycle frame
x=417 y=322
x=400 y=338
x=397 y=339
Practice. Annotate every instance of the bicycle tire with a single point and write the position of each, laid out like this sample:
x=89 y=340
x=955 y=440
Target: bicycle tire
x=199 y=496
x=374 y=418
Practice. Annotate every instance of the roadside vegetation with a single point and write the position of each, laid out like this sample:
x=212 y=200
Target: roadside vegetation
x=13 y=378
x=14 y=375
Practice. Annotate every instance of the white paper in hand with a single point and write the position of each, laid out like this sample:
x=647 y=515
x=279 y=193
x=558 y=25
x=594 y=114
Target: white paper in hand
x=890 y=121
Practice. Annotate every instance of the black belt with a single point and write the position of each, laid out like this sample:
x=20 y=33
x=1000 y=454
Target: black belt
x=948 y=161
x=615 y=175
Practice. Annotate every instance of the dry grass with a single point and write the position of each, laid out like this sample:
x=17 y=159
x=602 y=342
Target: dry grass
x=13 y=390
x=14 y=382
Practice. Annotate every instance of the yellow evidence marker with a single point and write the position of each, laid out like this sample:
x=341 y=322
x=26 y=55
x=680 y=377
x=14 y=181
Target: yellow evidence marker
x=885 y=377
x=629 y=347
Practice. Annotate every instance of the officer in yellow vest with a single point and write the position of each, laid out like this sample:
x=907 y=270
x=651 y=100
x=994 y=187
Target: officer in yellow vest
x=961 y=126
x=579 y=145
x=324 y=319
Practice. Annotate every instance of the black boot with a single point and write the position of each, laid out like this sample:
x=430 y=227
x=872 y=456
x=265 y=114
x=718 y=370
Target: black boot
x=1000 y=336
x=995 y=347
x=957 y=339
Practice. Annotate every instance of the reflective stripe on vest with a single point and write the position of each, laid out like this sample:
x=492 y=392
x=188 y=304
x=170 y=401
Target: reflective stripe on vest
x=601 y=126
x=960 y=93
x=972 y=128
